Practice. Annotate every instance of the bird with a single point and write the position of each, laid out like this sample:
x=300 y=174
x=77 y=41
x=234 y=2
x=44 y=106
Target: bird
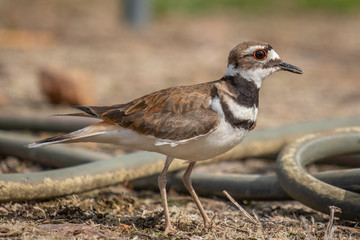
x=191 y=122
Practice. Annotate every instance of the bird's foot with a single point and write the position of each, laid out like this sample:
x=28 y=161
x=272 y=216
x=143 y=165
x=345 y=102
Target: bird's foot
x=210 y=225
x=169 y=230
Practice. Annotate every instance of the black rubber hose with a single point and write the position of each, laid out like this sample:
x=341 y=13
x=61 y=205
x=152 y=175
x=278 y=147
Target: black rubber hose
x=48 y=124
x=19 y=187
x=94 y=170
x=60 y=182
x=53 y=156
x=248 y=186
x=309 y=190
x=257 y=143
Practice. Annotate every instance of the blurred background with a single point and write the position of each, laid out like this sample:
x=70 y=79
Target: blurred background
x=57 y=53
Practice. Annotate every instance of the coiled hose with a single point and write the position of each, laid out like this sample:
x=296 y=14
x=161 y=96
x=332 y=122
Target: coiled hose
x=84 y=170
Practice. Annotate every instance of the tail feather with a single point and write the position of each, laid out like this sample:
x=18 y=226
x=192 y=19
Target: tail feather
x=87 y=110
x=77 y=136
x=91 y=111
x=75 y=115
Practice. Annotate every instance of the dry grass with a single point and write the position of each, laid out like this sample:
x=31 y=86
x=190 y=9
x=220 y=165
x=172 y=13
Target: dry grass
x=111 y=213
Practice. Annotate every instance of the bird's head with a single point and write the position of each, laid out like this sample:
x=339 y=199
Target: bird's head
x=255 y=61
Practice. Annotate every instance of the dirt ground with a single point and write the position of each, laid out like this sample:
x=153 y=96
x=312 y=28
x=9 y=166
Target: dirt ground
x=173 y=50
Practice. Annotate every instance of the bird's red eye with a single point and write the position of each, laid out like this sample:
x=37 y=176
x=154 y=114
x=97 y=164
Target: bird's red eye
x=260 y=54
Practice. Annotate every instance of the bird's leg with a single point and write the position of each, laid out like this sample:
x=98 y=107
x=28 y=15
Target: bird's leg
x=189 y=187
x=162 y=186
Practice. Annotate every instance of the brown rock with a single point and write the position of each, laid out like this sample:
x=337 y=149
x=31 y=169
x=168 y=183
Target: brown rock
x=67 y=86
x=10 y=38
x=3 y=100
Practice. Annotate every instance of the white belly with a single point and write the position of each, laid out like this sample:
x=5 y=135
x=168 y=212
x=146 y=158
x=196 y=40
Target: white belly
x=220 y=141
x=224 y=138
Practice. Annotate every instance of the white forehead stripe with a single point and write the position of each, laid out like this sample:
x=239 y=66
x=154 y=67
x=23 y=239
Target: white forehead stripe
x=272 y=55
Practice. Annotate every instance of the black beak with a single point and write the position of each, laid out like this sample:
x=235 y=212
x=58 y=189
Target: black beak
x=291 y=68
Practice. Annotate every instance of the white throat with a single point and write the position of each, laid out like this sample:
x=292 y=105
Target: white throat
x=255 y=75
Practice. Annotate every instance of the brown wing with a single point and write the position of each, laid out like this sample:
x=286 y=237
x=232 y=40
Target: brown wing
x=176 y=113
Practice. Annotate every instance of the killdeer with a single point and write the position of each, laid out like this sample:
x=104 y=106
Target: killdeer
x=193 y=122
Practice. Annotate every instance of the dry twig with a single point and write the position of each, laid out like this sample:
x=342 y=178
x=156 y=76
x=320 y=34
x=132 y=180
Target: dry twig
x=240 y=208
x=309 y=235
x=330 y=229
